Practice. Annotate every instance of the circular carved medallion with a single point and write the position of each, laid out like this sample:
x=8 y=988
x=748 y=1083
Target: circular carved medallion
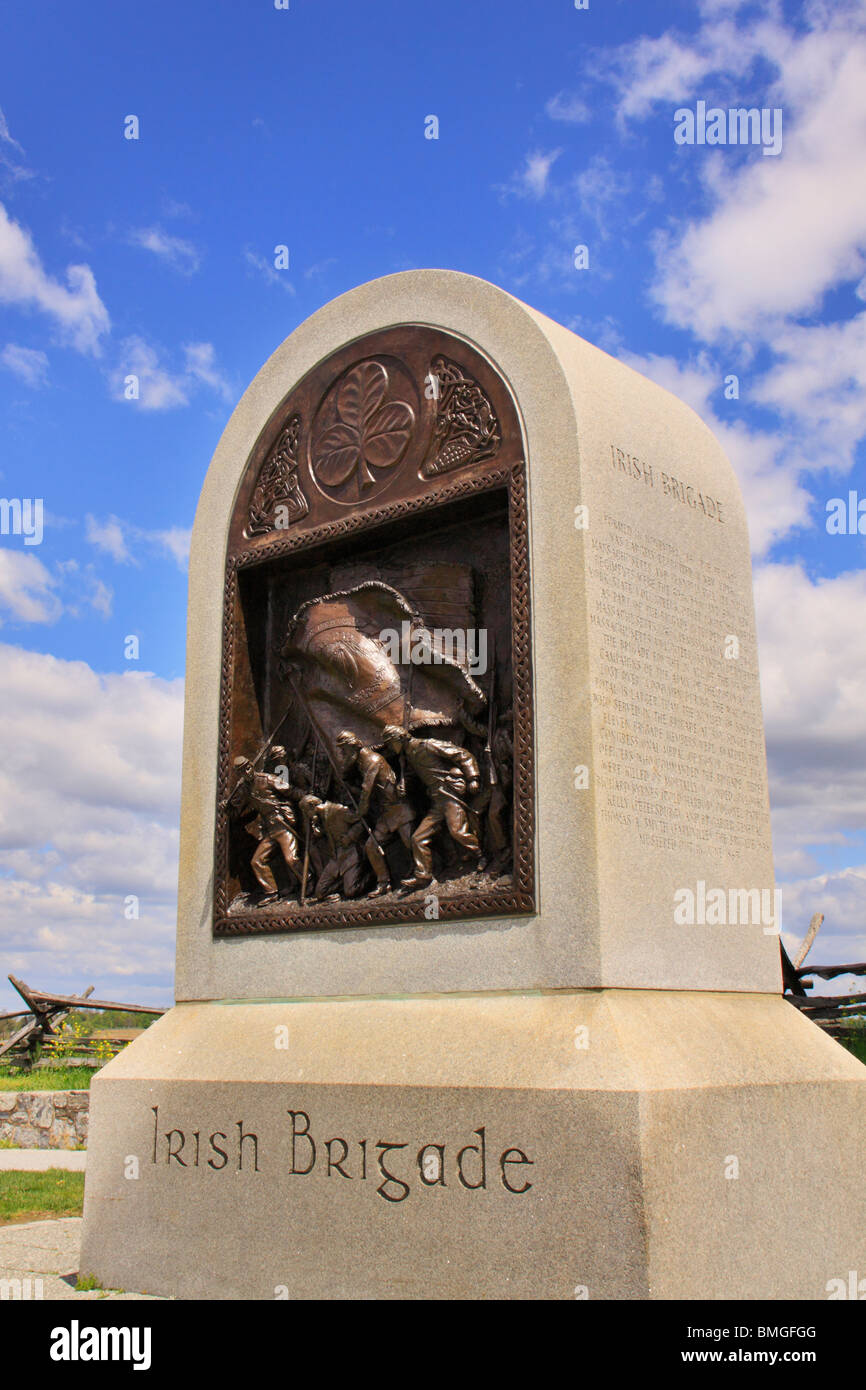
x=361 y=433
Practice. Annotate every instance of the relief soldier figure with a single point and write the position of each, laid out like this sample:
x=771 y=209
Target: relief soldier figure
x=449 y=775
x=267 y=796
x=392 y=815
x=329 y=846
x=315 y=847
x=342 y=829
x=494 y=800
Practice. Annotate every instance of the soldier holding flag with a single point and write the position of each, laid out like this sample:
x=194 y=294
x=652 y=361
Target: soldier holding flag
x=393 y=814
x=267 y=795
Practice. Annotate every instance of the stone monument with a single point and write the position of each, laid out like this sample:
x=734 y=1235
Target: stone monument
x=478 y=983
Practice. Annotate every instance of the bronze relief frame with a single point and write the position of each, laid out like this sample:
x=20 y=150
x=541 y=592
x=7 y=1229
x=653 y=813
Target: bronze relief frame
x=389 y=486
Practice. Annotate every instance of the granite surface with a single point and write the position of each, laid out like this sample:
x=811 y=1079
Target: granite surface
x=603 y=1144
x=631 y=617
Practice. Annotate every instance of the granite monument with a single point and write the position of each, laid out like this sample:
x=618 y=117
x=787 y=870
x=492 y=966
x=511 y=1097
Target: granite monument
x=478 y=983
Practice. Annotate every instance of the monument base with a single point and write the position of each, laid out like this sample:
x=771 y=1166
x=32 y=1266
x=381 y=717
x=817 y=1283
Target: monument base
x=609 y=1144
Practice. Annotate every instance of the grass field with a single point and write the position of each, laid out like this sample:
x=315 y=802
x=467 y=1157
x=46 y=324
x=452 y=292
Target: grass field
x=47 y=1079
x=40 y=1196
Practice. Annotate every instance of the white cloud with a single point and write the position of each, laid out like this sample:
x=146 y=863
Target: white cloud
x=110 y=741
x=78 y=314
x=179 y=254
x=570 y=109
x=159 y=386
x=29 y=364
x=267 y=269
x=27 y=589
x=841 y=896
x=600 y=188
x=201 y=365
x=109 y=537
x=768 y=472
x=670 y=68
x=31 y=593
x=319 y=267
x=5 y=134
x=83 y=590
x=812 y=653
x=533 y=179
x=7 y=161
x=176 y=540
x=89 y=790
x=819 y=387
x=117 y=538
x=813 y=659
x=158 y=389
x=57 y=937
x=782 y=231
x=173 y=207
x=101 y=598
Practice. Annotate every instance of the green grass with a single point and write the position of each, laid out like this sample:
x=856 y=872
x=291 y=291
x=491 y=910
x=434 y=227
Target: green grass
x=47 y=1079
x=40 y=1196
x=88 y=1283
x=857 y=1046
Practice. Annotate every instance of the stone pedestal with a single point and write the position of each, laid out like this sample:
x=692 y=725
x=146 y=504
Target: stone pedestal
x=587 y=1084
x=636 y=1144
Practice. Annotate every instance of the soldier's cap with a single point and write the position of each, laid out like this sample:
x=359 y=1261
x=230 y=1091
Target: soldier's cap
x=391 y=732
x=278 y=751
x=240 y=762
x=347 y=737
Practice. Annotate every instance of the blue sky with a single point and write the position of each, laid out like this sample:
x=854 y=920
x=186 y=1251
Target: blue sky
x=306 y=128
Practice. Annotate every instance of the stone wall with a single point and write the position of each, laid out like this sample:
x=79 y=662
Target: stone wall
x=44 y=1119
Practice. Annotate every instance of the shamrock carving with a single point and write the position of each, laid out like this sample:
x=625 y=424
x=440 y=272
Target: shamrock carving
x=367 y=434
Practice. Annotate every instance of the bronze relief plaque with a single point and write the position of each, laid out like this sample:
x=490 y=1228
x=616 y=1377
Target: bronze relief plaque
x=376 y=752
